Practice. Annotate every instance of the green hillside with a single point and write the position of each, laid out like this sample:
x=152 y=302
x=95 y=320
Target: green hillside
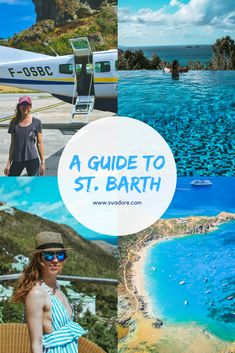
x=100 y=26
x=17 y=234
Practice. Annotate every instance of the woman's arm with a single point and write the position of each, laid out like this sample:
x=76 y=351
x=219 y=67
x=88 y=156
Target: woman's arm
x=34 y=305
x=10 y=157
x=40 y=147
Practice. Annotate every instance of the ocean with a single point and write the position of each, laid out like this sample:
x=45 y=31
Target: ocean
x=202 y=201
x=205 y=263
x=182 y=53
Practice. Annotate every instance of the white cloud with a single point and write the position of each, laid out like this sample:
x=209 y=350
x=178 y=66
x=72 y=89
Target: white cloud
x=27 y=189
x=42 y=208
x=24 y=203
x=215 y=13
x=24 y=181
x=10 y=197
x=175 y=3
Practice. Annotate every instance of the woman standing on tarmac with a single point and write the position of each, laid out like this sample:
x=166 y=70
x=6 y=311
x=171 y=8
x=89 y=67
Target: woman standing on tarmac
x=26 y=142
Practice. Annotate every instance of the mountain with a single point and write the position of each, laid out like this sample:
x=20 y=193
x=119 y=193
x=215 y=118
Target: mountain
x=107 y=247
x=67 y=10
x=58 y=21
x=17 y=234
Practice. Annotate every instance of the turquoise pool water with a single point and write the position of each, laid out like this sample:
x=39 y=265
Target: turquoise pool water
x=205 y=263
x=195 y=115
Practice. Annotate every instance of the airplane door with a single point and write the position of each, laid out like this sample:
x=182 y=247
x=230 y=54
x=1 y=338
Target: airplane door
x=83 y=68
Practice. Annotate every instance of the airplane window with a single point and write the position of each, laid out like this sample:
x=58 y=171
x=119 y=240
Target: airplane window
x=66 y=68
x=89 y=68
x=78 y=68
x=116 y=65
x=102 y=66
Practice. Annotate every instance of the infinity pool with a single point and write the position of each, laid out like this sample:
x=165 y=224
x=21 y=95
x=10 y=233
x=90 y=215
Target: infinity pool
x=194 y=114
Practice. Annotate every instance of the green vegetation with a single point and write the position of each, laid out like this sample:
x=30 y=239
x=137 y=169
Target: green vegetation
x=17 y=234
x=100 y=27
x=223 y=59
x=135 y=60
x=224 y=54
x=101 y=332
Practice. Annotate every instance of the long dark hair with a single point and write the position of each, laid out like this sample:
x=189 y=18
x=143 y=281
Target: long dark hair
x=29 y=277
x=17 y=116
x=175 y=65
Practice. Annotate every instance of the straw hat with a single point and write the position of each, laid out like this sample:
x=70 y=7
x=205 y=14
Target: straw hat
x=49 y=241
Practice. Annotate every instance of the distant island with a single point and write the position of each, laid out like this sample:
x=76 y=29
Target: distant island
x=223 y=58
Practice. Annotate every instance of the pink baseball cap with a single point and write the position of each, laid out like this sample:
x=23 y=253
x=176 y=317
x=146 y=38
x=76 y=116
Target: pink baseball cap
x=25 y=99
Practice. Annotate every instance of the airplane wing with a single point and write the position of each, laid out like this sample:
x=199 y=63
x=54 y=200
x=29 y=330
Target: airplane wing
x=11 y=54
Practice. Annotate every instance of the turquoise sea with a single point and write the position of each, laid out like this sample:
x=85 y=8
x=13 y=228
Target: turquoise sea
x=204 y=263
x=182 y=53
x=202 y=201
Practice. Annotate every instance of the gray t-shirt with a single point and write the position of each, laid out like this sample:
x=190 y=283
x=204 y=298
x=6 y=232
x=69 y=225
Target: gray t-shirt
x=25 y=140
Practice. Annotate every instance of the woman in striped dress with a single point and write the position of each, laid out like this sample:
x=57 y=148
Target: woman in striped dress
x=48 y=312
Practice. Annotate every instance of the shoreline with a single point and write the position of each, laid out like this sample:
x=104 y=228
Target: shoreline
x=148 y=322
x=138 y=277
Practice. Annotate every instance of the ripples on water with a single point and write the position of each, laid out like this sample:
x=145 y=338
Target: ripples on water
x=194 y=114
x=206 y=264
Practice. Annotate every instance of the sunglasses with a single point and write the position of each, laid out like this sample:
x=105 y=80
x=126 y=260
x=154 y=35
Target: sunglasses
x=24 y=104
x=51 y=255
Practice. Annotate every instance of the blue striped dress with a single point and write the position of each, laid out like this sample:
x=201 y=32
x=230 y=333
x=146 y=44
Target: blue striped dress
x=65 y=334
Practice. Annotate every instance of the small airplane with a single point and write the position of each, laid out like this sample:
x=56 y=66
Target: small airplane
x=85 y=79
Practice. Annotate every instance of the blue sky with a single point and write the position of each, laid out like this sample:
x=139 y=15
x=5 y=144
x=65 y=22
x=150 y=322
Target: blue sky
x=16 y=15
x=175 y=22
x=41 y=196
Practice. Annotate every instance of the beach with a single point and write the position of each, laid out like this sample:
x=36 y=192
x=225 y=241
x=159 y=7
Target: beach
x=168 y=338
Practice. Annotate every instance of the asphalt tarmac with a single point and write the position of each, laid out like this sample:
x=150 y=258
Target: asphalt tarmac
x=55 y=116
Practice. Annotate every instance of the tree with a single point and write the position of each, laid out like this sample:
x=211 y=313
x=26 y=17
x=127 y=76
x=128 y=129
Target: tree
x=128 y=58
x=224 y=54
x=155 y=62
x=140 y=61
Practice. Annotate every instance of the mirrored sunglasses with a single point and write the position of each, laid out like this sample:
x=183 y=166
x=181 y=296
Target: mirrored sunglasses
x=51 y=255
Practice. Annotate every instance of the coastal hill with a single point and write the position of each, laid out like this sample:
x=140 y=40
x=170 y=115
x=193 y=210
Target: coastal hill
x=136 y=321
x=172 y=227
x=130 y=246
x=58 y=21
x=17 y=233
